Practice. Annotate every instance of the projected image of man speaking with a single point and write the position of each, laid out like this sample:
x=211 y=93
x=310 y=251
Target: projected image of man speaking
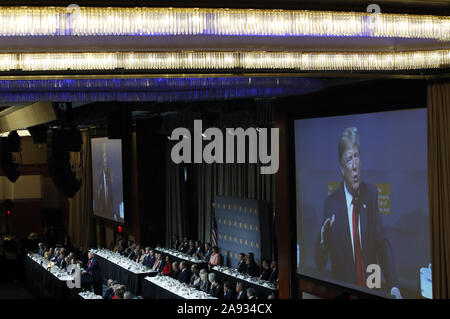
x=351 y=233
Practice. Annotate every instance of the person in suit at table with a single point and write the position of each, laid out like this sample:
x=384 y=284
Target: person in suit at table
x=208 y=252
x=204 y=282
x=265 y=271
x=60 y=261
x=109 y=292
x=130 y=247
x=240 y=291
x=175 y=270
x=352 y=232
x=48 y=254
x=185 y=275
x=228 y=292
x=273 y=271
x=191 y=248
x=93 y=270
x=241 y=266
x=137 y=254
x=55 y=255
x=184 y=245
x=198 y=250
x=251 y=294
x=175 y=242
x=41 y=249
x=252 y=267
x=132 y=254
x=121 y=247
x=149 y=258
x=159 y=263
x=215 y=289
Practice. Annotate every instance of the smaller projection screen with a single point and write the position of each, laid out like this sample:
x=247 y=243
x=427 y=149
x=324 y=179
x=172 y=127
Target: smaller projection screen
x=107 y=186
x=362 y=202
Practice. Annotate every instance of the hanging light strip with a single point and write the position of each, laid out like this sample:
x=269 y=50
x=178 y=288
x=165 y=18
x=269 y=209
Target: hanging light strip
x=224 y=61
x=88 y=21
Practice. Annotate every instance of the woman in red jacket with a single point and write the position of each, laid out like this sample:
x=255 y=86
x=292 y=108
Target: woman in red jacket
x=167 y=270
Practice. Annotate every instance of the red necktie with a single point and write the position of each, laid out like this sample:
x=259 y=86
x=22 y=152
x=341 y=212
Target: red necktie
x=90 y=263
x=357 y=247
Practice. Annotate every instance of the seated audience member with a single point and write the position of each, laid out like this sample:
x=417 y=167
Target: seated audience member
x=67 y=261
x=184 y=245
x=55 y=255
x=241 y=266
x=41 y=249
x=132 y=254
x=159 y=263
x=131 y=246
x=118 y=292
x=185 y=274
x=109 y=292
x=121 y=247
x=208 y=252
x=175 y=270
x=51 y=253
x=252 y=267
x=60 y=260
x=198 y=249
x=266 y=271
x=137 y=254
x=48 y=253
x=204 y=281
x=175 y=242
x=149 y=258
x=195 y=277
x=215 y=289
x=228 y=292
x=240 y=292
x=216 y=259
x=167 y=269
x=273 y=277
x=191 y=249
x=251 y=293
x=127 y=295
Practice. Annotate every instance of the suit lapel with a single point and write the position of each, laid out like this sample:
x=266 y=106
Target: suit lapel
x=364 y=222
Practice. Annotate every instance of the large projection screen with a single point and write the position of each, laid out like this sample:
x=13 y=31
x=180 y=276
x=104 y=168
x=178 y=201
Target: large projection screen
x=376 y=192
x=107 y=186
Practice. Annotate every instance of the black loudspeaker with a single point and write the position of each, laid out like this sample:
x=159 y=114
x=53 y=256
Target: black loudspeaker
x=38 y=133
x=118 y=124
x=7 y=146
x=59 y=144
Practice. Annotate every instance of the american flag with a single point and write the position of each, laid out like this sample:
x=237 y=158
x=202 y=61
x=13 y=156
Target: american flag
x=214 y=233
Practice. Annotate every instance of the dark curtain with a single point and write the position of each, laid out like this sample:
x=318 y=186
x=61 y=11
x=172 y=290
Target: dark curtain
x=218 y=179
x=438 y=102
x=80 y=206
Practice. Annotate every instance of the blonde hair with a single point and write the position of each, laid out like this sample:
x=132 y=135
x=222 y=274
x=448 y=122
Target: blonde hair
x=349 y=137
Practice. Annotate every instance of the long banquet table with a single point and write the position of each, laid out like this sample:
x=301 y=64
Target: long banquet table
x=129 y=273
x=46 y=281
x=162 y=287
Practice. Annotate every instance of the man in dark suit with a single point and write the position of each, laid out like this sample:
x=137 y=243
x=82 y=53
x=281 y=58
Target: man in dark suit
x=191 y=248
x=241 y=266
x=198 y=249
x=208 y=252
x=95 y=276
x=228 y=292
x=265 y=271
x=149 y=258
x=273 y=271
x=216 y=289
x=185 y=275
x=104 y=202
x=352 y=233
x=240 y=291
x=159 y=263
x=176 y=242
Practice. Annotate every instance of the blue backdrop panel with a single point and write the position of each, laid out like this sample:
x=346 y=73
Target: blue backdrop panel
x=241 y=228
